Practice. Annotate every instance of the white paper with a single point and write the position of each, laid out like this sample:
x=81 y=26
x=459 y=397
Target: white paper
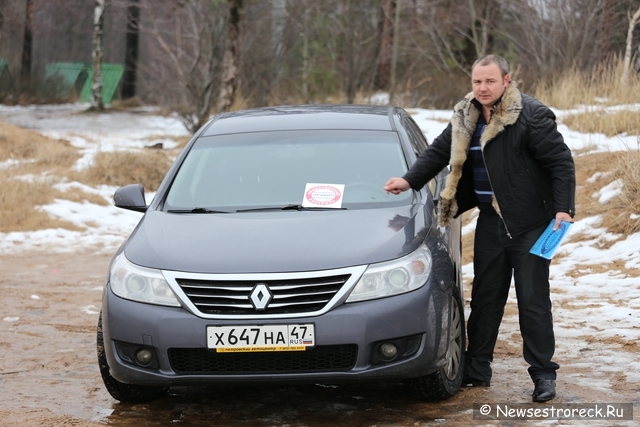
x=323 y=195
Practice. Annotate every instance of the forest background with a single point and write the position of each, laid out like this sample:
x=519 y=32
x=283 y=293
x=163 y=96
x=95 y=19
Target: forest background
x=199 y=57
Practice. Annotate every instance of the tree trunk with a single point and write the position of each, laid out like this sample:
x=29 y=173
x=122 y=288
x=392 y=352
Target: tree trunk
x=27 y=43
x=131 y=50
x=231 y=57
x=603 y=49
x=278 y=16
x=96 y=55
x=386 y=31
x=394 y=53
x=633 y=21
x=2 y=8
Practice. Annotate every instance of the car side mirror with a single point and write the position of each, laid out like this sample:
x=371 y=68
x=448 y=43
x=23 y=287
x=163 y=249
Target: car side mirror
x=130 y=197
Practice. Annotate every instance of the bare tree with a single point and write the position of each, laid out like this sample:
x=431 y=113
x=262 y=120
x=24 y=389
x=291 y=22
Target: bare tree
x=353 y=42
x=231 y=57
x=96 y=56
x=458 y=32
x=607 y=22
x=386 y=38
x=553 y=34
x=188 y=38
x=633 y=21
x=278 y=22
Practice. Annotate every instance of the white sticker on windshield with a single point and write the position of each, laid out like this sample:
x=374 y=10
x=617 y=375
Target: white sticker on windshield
x=323 y=196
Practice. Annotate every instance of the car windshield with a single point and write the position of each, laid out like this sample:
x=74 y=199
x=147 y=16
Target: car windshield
x=273 y=169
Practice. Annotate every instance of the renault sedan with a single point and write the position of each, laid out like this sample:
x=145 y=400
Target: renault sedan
x=271 y=253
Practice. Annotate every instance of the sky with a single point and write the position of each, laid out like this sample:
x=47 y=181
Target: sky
x=590 y=303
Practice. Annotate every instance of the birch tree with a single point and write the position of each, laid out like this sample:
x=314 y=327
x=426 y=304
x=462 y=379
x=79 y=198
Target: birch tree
x=96 y=56
x=633 y=21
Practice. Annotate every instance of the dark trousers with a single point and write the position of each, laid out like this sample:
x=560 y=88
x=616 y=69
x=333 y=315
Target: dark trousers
x=496 y=259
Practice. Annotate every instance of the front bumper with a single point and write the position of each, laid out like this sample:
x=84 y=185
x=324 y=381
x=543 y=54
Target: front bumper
x=423 y=313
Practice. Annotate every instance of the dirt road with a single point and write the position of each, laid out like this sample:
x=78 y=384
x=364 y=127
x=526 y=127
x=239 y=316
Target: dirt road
x=49 y=375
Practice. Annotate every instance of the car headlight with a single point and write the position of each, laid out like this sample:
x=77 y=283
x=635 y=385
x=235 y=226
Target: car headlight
x=393 y=277
x=141 y=284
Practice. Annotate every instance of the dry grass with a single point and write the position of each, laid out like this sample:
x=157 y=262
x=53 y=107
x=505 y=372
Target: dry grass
x=33 y=152
x=126 y=104
x=19 y=199
x=34 y=163
x=595 y=171
x=120 y=168
x=624 y=215
x=608 y=123
x=601 y=85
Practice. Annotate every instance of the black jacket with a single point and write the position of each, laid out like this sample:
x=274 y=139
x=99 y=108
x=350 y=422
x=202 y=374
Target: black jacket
x=530 y=168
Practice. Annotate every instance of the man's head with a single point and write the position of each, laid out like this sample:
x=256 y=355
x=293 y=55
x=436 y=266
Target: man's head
x=489 y=79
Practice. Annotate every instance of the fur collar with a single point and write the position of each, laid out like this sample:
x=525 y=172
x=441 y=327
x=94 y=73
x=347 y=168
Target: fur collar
x=463 y=124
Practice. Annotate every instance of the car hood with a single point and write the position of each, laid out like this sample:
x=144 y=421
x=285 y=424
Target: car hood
x=275 y=241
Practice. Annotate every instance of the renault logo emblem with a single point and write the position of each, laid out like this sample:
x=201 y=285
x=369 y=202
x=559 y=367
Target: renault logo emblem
x=260 y=296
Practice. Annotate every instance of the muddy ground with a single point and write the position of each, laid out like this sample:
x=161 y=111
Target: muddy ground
x=49 y=375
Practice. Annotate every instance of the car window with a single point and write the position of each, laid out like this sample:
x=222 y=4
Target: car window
x=239 y=171
x=416 y=137
x=419 y=144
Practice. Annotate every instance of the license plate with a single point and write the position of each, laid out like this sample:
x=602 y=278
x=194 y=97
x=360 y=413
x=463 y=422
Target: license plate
x=249 y=338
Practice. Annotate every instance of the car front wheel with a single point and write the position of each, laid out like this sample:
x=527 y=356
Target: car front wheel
x=128 y=393
x=446 y=382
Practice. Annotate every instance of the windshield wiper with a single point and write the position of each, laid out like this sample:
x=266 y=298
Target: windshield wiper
x=195 y=210
x=290 y=208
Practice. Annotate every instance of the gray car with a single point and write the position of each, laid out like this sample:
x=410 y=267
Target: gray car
x=271 y=252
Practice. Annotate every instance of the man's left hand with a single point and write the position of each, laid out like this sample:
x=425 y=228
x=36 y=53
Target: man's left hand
x=561 y=216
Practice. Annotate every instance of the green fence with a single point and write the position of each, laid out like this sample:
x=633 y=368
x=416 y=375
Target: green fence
x=111 y=75
x=6 y=82
x=64 y=78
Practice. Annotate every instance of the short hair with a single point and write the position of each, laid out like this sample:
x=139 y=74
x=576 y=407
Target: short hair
x=502 y=63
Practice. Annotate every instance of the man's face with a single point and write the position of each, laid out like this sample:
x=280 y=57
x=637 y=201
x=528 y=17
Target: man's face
x=488 y=84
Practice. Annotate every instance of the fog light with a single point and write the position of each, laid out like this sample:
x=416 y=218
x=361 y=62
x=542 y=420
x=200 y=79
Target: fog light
x=388 y=351
x=144 y=357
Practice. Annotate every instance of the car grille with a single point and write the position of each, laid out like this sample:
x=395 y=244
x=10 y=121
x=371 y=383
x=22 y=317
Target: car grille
x=329 y=358
x=289 y=296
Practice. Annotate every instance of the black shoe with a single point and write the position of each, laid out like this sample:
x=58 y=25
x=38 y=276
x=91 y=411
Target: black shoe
x=474 y=382
x=545 y=390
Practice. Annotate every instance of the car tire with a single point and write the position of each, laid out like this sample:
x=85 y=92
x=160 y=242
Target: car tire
x=122 y=392
x=446 y=381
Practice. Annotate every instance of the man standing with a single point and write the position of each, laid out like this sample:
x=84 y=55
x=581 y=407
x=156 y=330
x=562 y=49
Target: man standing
x=508 y=159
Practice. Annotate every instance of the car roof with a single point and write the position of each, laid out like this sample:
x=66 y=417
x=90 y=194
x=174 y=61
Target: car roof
x=301 y=117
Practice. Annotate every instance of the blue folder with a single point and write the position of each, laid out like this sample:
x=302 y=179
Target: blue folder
x=550 y=240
